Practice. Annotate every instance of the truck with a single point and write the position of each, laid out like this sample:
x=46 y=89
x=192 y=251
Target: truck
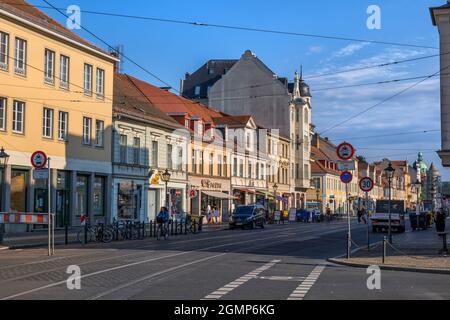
x=380 y=219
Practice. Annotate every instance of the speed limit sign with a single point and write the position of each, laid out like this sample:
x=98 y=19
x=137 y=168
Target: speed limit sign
x=366 y=184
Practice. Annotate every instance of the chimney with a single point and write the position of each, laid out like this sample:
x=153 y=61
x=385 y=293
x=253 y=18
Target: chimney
x=316 y=141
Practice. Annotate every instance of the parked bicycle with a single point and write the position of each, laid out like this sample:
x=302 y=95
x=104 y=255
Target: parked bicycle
x=97 y=233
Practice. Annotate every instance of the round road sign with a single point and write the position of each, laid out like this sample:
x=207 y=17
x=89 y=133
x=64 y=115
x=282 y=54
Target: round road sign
x=346 y=177
x=366 y=184
x=345 y=151
x=38 y=159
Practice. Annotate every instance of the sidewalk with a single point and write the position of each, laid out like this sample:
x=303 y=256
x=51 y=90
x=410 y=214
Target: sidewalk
x=412 y=251
x=40 y=238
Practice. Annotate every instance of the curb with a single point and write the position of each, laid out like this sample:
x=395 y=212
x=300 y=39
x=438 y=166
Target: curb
x=389 y=267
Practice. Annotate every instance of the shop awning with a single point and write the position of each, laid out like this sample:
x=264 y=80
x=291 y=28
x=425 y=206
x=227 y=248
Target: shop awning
x=245 y=190
x=219 y=195
x=266 y=193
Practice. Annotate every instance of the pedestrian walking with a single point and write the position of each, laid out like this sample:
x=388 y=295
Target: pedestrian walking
x=439 y=219
x=359 y=214
x=328 y=212
x=208 y=213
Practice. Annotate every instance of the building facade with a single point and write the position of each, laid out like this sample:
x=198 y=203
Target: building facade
x=248 y=86
x=441 y=18
x=55 y=96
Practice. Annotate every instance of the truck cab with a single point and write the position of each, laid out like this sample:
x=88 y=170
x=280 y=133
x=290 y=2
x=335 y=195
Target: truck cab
x=380 y=219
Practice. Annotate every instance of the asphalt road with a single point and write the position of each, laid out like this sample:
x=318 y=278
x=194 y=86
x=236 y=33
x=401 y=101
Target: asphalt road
x=278 y=263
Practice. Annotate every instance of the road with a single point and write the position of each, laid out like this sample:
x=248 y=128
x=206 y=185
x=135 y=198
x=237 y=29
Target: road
x=281 y=262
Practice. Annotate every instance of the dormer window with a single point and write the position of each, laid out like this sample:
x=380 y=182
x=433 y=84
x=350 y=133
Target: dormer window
x=197 y=91
x=211 y=71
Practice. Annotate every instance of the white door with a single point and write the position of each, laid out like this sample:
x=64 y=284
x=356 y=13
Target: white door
x=153 y=204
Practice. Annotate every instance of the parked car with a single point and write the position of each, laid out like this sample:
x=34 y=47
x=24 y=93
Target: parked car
x=248 y=216
x=380 y=219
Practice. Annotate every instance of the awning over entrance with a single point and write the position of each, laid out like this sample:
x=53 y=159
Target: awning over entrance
x=245 y=190
x=219 y=195
x=265 y=193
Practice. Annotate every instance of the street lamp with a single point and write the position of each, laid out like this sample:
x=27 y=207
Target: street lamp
x=166 y=178
x=390 y=175
x=4 y=157
x=417 y=186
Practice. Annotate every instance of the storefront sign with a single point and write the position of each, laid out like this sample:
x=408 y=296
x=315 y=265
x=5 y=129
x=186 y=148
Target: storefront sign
x=211 y=185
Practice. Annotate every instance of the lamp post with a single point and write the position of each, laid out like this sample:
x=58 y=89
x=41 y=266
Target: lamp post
x=166 y=178
x=4 y=157
x=417 y=186
x=275 y=188
x=390 y=175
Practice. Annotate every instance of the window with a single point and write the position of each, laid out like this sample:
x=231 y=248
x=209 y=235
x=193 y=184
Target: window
x=219 y=165
x=297 y=171
x=129 y=200
x=99 y=133
x=306 y=174
x=211 y=70
x=63 y=121
x=211 y=164
x=4 y=51
x=306 y=116
x=180 y=159
x=87 y=79
x=20 y=57
x=248 y=140
x=47 y=123
x=250 y=171
x=137 y=150
x=49 y=67
x=297 y=117
x=87 y=123
x=155 y=154
x=3 y=104
x=225 y=168
x=169 y=156
x=194 y=161
x=197 y=91
x=64 y=67
x=18 y=116
x=241 y=168
x=257 y=171
x=201 y=163
x=235 y=167
x=98 y=198
x=100 y=84
x=123 y=148
x=262 y=172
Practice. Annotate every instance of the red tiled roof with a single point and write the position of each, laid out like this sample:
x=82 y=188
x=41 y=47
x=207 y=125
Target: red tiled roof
x=128 y=100
x=317 y=167
x=22 y=9
x=171 y=103
x=232 y=120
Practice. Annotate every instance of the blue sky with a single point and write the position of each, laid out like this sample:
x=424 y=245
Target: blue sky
x=170 y=50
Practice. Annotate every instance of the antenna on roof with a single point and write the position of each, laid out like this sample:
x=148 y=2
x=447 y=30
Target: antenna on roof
x=118 y=52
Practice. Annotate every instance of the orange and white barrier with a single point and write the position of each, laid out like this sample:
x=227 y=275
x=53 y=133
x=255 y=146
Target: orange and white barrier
x=24 y=218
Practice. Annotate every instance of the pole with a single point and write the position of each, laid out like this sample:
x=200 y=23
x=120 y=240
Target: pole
x=167 y=198
x=49 y=210
x=349 y=234
x=368 y=224
x=390 y=215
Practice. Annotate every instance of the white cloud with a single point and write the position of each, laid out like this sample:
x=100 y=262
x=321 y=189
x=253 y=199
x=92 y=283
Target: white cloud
x=349 y=50
x=315 y=49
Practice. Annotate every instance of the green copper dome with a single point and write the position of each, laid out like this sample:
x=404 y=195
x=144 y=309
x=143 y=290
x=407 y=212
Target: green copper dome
x=420 y=164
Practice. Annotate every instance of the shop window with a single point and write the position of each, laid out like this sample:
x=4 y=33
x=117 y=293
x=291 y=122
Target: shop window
x=19 y=190
x=99 y=196
x=128 y=201
x=81 y=204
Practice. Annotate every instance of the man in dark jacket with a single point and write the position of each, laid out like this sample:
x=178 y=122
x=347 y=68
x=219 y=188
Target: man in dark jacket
x=439 y=219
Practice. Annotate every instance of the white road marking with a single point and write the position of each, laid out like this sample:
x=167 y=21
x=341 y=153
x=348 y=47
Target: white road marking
x=219 y=293
x=302 y=290
x=154 y=275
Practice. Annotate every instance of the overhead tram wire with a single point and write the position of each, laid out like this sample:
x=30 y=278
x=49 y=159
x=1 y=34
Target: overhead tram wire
x=383 y=101
x=390 y=135
x=241 y=28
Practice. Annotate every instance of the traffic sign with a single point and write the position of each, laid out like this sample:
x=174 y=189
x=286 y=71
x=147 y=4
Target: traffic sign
x=346 y=177
x=345 y=151
x=346 y=165
x=40 y=174
x=38 y=159
x=366 y=184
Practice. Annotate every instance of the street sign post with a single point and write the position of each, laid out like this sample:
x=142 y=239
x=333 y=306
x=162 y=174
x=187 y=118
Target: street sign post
x=346 y=177
x=366 y=184
x=345 y=151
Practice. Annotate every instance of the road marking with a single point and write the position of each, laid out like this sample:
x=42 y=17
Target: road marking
x=154 y=275
x=219 y=293
x=302 y=290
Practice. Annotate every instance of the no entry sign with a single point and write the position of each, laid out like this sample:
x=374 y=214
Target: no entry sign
x=346 y=177
x=38 y=159
x=345 y=151
x=366 y=184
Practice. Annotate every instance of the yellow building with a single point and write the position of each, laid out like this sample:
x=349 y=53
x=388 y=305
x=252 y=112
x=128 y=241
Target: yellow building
x=55 y=96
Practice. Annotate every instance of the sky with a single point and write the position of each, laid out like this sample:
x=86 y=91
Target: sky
x=170 y=50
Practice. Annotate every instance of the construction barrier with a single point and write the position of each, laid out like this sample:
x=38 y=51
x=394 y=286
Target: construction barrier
x=33 y=218
x=24 y=218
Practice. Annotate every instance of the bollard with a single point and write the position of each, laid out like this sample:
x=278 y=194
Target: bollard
x=176 y=228
x=171 y=228
x=384 y=250
x=150 y=226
